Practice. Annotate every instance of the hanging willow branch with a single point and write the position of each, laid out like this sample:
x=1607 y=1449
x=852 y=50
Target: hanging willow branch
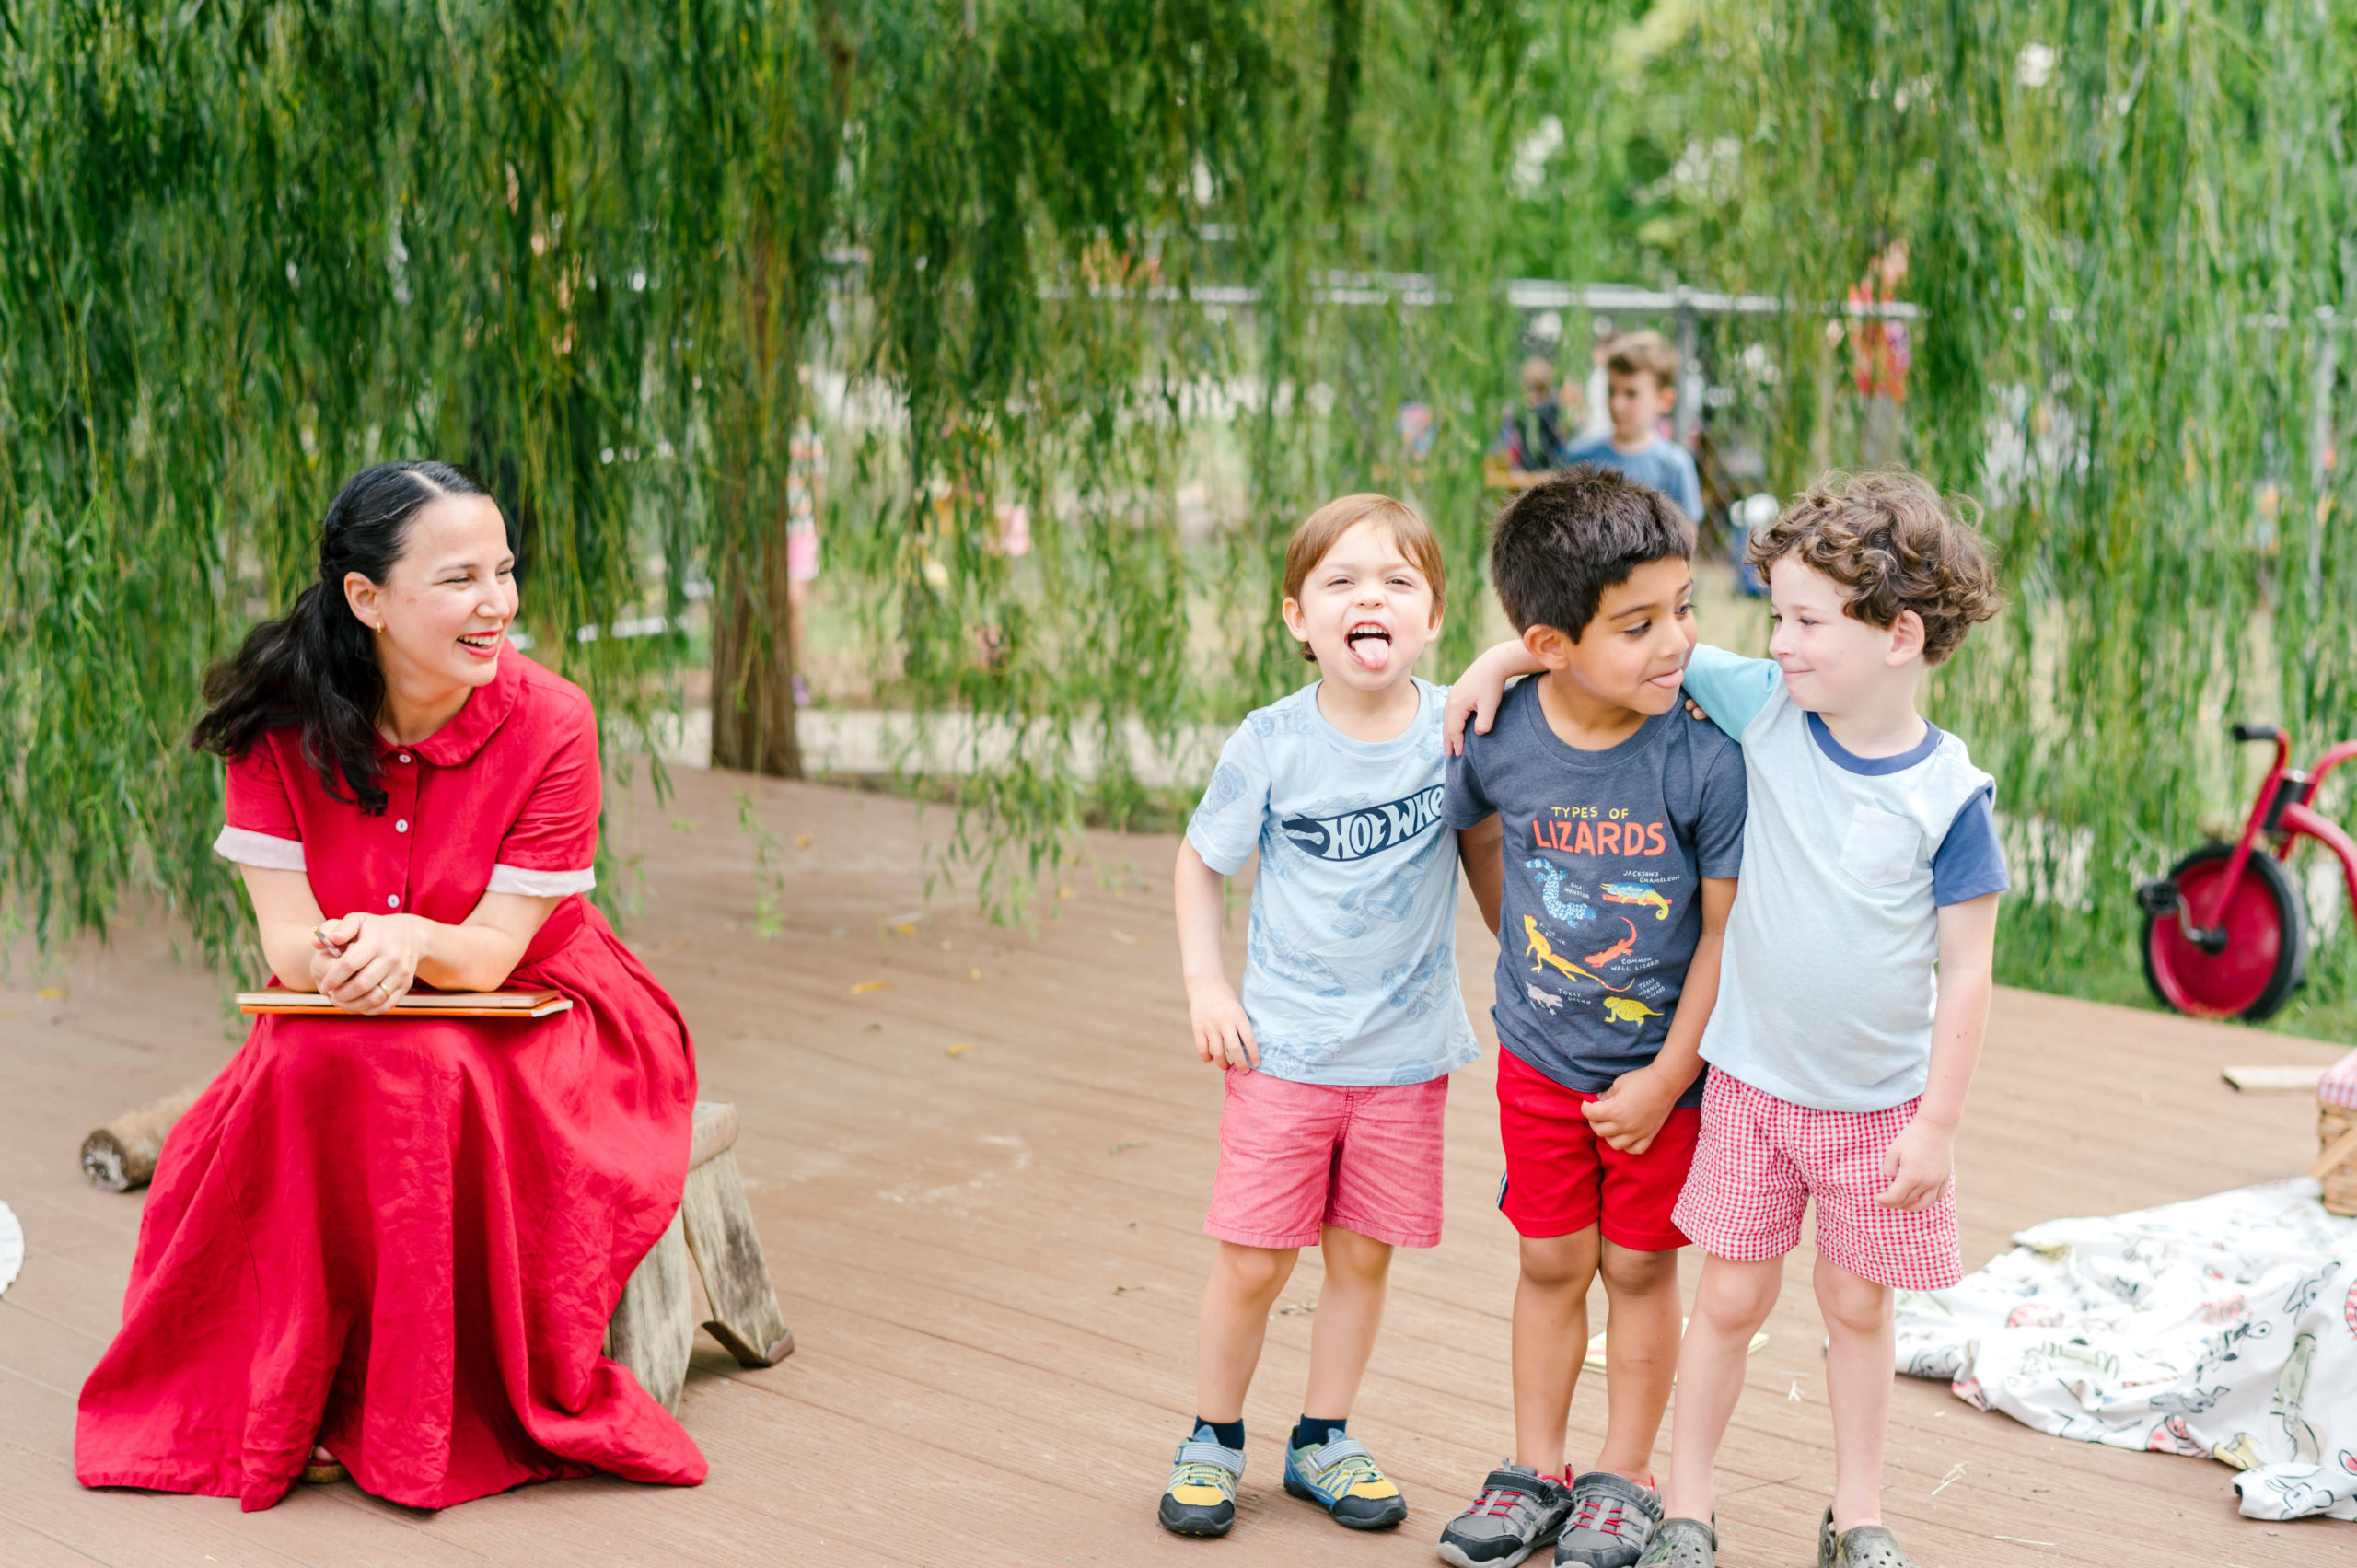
x=1081 y=248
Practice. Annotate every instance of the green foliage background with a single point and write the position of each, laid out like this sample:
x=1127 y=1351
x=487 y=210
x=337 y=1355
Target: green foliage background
x=583 y=246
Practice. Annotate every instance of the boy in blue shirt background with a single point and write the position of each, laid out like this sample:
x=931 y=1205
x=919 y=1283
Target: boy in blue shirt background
x=1641 y=369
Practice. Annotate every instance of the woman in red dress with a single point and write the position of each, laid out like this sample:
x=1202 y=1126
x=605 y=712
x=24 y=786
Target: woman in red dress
x=397 y=1241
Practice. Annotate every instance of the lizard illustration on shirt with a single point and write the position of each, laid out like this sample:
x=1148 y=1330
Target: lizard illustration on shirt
x=1601 y=959
x=1544 y=952
x=1550 y=893
x=1636 y=893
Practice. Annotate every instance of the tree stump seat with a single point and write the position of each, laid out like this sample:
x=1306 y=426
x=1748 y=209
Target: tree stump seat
x=653 y=1328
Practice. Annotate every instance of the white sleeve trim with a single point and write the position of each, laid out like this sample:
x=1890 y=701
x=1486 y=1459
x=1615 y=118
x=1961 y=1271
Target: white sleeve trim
x=539 y=884
x=250 y=848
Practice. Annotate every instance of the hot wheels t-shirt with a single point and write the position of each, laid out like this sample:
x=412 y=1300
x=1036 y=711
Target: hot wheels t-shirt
x=1605 y=853
x=1350 y=974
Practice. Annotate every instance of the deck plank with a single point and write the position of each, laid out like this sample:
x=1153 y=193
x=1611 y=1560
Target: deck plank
x=991 y=1260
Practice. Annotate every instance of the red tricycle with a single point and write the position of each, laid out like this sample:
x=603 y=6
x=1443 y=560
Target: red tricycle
x=2225 y=933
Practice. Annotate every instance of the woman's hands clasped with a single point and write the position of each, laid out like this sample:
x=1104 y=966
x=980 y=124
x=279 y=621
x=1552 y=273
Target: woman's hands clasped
x=364 y=963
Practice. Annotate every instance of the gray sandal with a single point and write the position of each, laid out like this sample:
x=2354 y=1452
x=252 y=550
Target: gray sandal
x=1868 y=1546
x=1682 y=1543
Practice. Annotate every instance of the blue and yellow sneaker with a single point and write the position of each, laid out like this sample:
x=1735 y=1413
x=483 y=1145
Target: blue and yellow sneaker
x=1200 y=1498
x=1341 y=1478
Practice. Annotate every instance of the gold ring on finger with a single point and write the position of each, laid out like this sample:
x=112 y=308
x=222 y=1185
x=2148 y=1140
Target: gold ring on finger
x=387 y=990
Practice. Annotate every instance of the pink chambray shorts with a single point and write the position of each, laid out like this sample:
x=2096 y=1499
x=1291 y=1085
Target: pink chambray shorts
x=1297 y=1157
x=1761 y=1159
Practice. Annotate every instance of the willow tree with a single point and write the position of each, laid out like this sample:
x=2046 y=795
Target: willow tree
x=1088 y=227
x=2130 y=232
x=247 y=247
x=588 y=247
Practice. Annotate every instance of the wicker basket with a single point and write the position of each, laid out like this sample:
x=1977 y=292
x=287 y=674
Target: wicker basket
x=2333 y=1124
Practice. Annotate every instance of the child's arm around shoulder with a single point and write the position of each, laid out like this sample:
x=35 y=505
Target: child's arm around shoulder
x=1730 y=688
x=1923 y=1157
x=1477 y=693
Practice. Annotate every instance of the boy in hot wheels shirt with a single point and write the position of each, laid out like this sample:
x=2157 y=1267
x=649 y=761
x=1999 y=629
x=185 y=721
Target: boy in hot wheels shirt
x=1339 y=1048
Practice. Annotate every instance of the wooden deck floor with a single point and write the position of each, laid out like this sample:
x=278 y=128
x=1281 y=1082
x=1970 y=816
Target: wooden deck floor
x=992 y=1259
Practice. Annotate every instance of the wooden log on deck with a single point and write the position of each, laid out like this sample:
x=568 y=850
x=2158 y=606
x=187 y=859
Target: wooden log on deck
x=654 y=1325
x=727 y=1252
x=122 y=1155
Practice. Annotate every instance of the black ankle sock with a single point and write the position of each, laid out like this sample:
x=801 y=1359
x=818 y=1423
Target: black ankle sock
x=1316 y=1432
x=1227 y=1433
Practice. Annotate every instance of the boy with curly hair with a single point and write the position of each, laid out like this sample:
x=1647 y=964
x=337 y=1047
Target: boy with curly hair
x=1855 y=982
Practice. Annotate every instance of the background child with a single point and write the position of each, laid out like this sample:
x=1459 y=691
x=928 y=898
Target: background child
x=1338 y=1052
x=1640 y=371
x=1532 y=441
x=1622 y=826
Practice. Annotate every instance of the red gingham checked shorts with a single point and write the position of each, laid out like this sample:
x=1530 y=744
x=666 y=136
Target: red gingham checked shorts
x=1761 y=1159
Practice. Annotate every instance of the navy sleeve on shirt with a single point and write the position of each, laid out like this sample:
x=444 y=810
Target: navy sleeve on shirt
x=1970 y=862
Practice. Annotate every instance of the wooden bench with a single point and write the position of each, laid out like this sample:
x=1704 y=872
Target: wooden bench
x=654 y=1327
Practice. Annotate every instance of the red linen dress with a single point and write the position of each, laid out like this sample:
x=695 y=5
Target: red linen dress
x=404 y=1237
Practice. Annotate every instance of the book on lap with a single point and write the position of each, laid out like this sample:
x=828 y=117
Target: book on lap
x=417 y=1003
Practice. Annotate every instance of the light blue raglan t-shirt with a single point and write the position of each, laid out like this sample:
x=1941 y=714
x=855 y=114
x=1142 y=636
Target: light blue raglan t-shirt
x=1828 y=982
x=1349 y=972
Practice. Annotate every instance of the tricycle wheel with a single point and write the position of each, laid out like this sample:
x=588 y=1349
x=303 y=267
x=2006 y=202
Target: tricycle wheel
x=2264 y=958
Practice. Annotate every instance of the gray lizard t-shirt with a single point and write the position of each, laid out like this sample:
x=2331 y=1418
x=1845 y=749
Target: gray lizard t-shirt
x=1349 y=972
x=1604 y=856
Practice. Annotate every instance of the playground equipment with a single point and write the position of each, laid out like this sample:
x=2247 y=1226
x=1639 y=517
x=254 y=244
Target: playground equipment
x=2225 y=933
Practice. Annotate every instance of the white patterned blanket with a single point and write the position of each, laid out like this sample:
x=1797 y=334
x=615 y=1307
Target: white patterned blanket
x=2225 y=1328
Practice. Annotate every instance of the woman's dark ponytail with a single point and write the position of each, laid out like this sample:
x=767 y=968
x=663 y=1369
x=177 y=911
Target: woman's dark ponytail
x=316 y=665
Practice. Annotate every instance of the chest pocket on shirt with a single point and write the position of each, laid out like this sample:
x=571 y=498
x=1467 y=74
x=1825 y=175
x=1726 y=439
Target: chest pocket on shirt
x=1879 y=848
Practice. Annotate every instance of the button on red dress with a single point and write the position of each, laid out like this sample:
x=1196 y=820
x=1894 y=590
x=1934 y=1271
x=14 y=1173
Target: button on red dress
x=403 y=1238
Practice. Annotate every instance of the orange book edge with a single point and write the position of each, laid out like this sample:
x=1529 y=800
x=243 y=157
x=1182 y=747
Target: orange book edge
x=418 y=1004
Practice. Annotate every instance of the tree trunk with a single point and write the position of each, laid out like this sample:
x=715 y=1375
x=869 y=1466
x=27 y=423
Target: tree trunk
x=752 y=649
x=752 y=659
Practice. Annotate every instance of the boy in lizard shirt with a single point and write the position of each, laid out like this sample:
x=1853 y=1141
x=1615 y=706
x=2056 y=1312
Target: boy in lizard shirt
x=1604 y=829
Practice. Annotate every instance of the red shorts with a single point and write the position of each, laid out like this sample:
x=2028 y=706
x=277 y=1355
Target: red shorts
x=1297 y=1157
x=1762 y=1159
x=1562 y=1178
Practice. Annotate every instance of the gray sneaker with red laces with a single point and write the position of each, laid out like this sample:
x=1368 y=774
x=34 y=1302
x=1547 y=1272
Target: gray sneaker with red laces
x=1612 y=1519
x=1518 y=1512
